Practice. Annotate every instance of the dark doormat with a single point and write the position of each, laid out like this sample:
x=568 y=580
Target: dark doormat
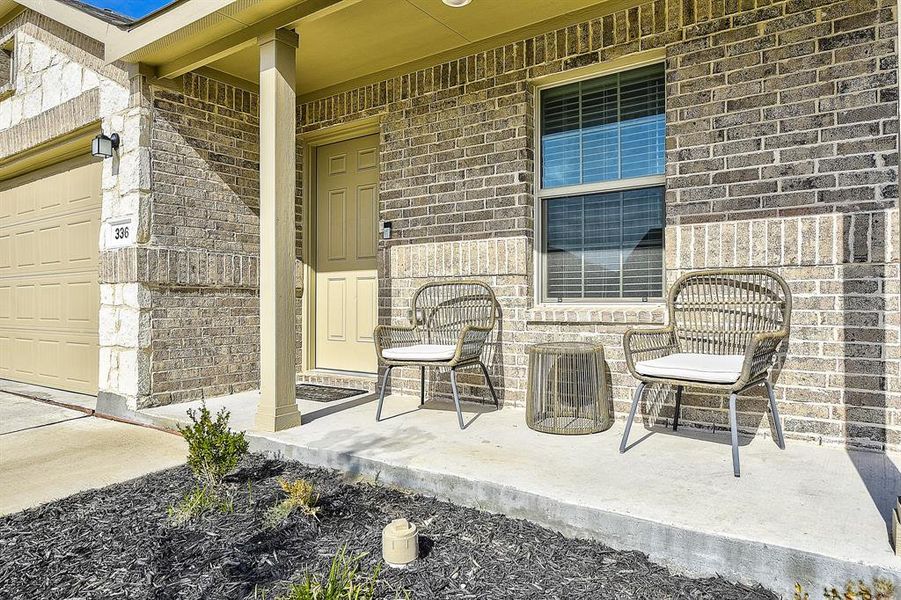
x=322 y=393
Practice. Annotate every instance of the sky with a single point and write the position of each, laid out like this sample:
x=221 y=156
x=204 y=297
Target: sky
x=130 y=8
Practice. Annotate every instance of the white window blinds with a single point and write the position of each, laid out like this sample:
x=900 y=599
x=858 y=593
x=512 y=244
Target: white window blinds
x=603 y=129
x=603 y=244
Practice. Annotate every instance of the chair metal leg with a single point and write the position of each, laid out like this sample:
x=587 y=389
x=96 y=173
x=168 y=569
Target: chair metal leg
x=378 y=411
x=733 y=422
x=490 y=385
x=678 y=407
x=453 y=378
x=635 y=399
x=421 y=386
x=780 y=439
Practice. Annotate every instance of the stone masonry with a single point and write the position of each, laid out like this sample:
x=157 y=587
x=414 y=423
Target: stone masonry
x=55 y=64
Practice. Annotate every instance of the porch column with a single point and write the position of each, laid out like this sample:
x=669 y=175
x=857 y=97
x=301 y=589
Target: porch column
x=278 y=407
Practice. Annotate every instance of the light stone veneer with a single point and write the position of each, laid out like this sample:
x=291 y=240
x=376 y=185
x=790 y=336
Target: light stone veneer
x=125 y=354
x=55 y=66
x=46 y=77
x=125 y=339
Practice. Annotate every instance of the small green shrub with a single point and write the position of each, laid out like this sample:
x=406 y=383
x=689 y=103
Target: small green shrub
x=198 y=501
x=344 y=582
x=302 y=496
x=213 y=448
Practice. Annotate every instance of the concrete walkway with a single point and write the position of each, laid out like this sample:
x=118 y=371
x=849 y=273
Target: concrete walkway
x=49 y=452
x=81 y=402
x=807 y=514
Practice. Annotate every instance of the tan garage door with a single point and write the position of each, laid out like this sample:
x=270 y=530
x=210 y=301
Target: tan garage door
x=49 y=291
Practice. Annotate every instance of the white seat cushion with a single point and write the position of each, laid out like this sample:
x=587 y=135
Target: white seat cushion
x=420 y=352
x=710 y=368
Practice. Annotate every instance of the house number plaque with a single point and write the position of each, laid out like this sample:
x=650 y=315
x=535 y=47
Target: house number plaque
x=120 y=232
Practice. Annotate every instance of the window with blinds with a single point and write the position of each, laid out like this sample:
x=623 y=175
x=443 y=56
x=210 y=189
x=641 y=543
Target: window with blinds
x=7 y=65
x=602 y=174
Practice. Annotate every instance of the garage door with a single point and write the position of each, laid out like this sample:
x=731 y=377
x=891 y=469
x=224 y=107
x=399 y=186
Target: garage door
x=49 y=291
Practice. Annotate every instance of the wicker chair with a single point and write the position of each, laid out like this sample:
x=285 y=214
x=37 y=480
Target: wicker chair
x=451 y=322
x=724 y=334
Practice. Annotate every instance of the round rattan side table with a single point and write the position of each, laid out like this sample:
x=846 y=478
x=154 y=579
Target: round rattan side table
x=567 y=388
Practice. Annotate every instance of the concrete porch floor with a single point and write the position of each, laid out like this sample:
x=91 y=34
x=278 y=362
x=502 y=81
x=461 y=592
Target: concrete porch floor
x=813 y=515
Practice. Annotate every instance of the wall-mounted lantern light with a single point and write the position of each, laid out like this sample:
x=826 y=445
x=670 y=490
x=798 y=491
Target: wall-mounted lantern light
x=103 y=146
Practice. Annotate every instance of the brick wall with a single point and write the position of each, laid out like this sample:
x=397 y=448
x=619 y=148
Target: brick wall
x=840 y=380
x=205 y=146
x=205 y=343
x=785 y=110
x=781 y=152
x=201 y=259
x=204 y=235
x=456 y=157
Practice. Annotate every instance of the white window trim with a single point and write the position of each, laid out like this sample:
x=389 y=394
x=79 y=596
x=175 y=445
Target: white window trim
x=640 y=59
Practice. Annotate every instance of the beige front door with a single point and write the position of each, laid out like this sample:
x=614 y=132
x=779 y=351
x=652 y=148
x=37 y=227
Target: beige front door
x=49 y=291
x=346 y=291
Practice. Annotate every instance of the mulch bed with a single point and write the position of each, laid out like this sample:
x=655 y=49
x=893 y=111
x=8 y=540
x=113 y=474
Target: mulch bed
x=324 y=393
x=116 y=543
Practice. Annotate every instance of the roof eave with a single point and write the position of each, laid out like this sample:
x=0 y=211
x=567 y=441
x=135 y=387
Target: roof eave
x=160 y=24
x=79 y=20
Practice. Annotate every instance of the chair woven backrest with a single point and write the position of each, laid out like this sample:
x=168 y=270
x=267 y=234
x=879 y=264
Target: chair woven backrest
x=443 y=309
x=717 y=312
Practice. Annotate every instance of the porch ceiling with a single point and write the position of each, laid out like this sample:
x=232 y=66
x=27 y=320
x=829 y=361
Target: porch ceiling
x=6 y=7
x=352 y=39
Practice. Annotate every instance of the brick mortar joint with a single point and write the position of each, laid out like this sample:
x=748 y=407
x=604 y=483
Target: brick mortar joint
x=193 y=287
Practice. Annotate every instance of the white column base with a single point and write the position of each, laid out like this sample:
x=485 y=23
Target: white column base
x=276 y=418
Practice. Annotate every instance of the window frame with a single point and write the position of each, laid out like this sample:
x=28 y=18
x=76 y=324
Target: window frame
x=8 y=46
x=618 y=185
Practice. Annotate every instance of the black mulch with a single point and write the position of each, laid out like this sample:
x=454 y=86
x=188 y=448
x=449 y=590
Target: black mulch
x=324 y=393
x=116 y=543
